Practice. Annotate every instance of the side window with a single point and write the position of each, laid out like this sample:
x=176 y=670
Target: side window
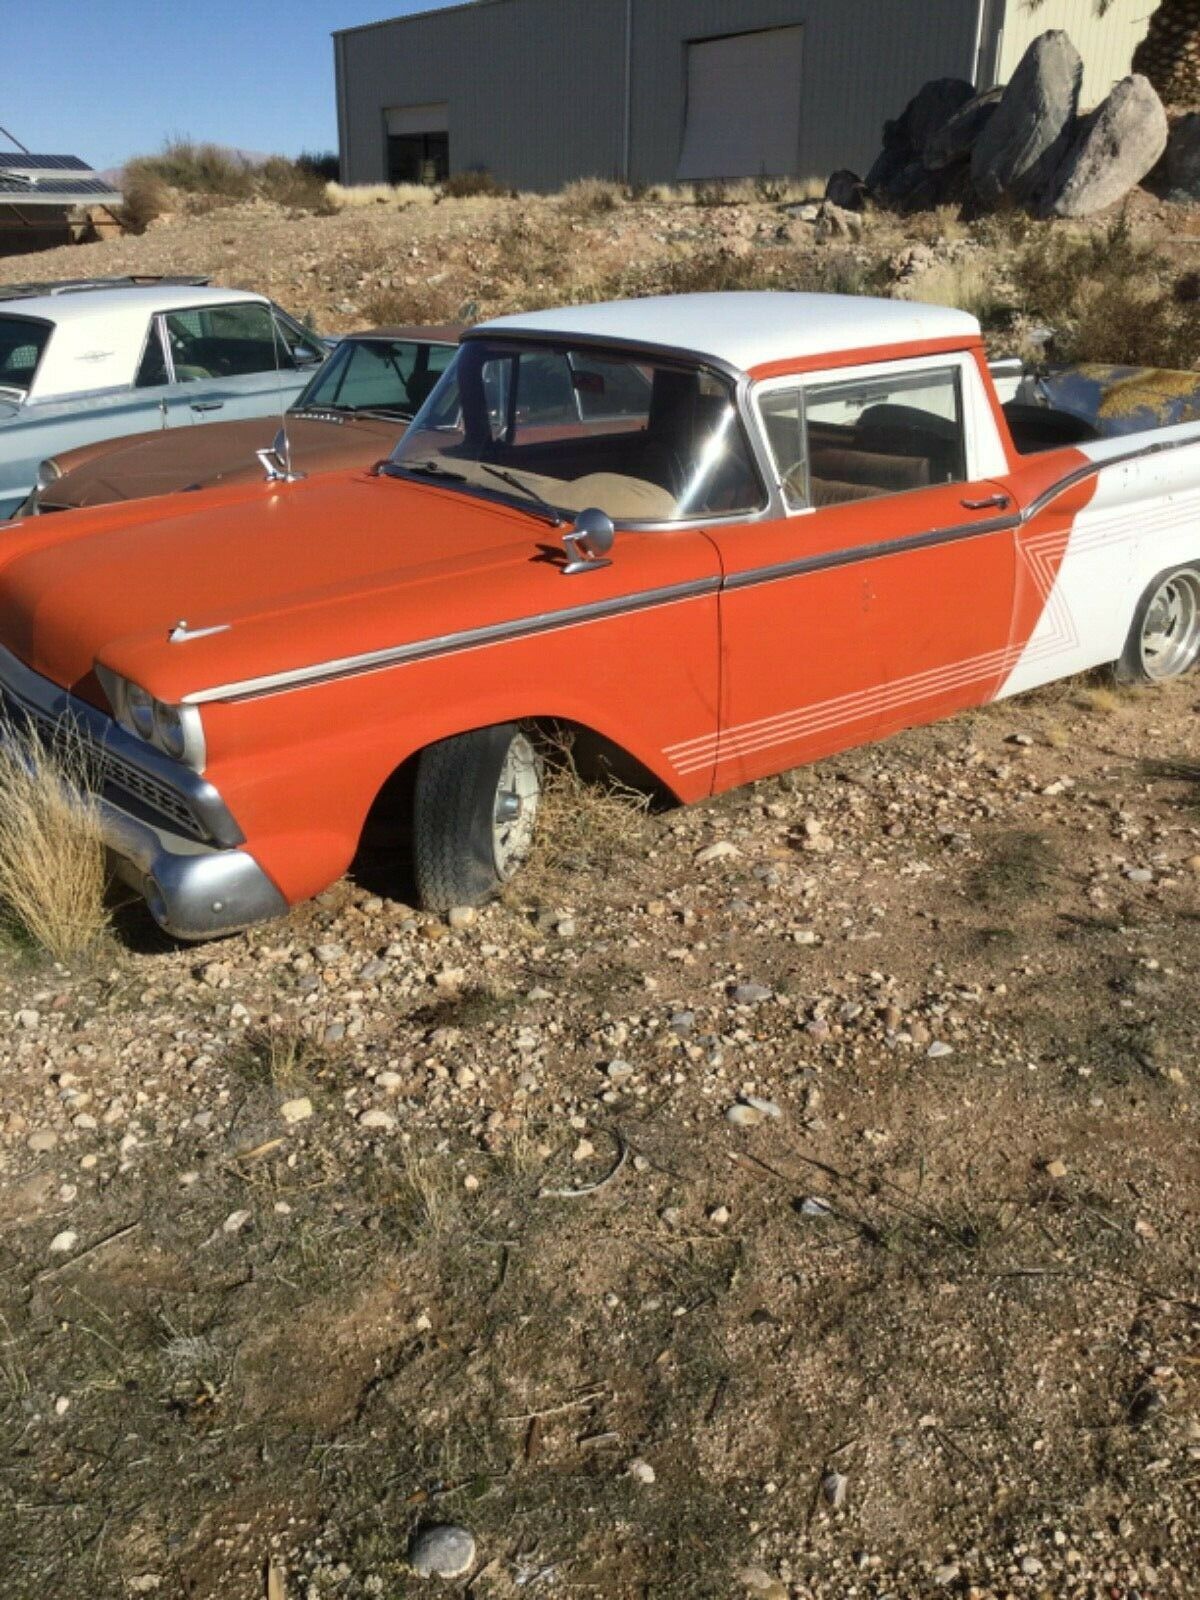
x=224 y=342
x=610 y=391
x=838 y=442
x=152 y=369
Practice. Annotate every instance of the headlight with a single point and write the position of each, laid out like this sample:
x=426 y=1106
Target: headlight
x=175 y=730
x=49 y=472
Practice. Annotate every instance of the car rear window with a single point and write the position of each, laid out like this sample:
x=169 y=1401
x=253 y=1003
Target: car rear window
x=22 y=341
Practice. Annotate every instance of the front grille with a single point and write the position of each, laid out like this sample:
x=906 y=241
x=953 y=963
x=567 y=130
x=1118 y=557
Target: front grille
x=108 y=774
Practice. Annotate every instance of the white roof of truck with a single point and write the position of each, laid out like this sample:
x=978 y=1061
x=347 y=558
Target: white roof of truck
x=99 y=334
x=747 y=328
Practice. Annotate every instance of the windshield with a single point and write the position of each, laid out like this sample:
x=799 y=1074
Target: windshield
x=22 y=341
x=642 y=439
x=393 y=376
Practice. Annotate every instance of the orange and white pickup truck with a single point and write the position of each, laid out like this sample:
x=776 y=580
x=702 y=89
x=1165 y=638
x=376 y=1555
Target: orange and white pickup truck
x=717 y=536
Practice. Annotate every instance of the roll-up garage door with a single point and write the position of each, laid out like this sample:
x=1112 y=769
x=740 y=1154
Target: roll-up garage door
x=743 y=105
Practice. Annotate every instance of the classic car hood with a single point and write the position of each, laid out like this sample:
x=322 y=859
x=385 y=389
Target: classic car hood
x=288 y=573
x=211 y=453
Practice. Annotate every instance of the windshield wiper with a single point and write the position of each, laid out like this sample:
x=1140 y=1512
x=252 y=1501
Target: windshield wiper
x=429 y=469
x=555 y=516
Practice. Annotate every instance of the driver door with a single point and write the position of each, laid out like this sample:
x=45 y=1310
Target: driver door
x=884 y=598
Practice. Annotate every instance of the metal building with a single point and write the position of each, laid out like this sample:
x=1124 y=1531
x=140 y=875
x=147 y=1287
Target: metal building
x=650 y=91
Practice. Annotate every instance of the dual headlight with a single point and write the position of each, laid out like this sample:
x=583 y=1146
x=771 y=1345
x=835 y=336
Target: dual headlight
x=175 y=730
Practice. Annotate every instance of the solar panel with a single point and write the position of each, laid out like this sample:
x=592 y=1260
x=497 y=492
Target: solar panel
x=19 y=161
x=56 y=191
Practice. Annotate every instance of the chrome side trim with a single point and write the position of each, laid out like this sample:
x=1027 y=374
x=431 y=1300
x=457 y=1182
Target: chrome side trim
x=1091 y=469
x=25 y=693
x=870 y=552
x=452 y=643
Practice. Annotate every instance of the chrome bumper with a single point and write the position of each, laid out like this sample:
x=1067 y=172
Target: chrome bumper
x=168 y=832
x=193 y=891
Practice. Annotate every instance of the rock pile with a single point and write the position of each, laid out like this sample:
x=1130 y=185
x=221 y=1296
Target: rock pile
x=1025 y=144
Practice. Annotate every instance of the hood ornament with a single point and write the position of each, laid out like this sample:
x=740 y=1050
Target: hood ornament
x=181 y=633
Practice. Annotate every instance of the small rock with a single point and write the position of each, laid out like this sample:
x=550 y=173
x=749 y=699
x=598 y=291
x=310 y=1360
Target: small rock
x=443 y=1551
x=566 y=928
x=641 y=1471
x=373 y=969
x=723 y=850
x=1031 y=1566
x=763 y=1584
x=235 y=1221
x=766 y=1108
x=374 y=1117
x=299 y=1110
x=813 y=1206
x=833 y=1487
x=329 y=954
x=945 y=1575
x=43 y=1140
x=751 y=994
x=28 y=1018
x=460 y=917
x=719 y=1215
x=61 y=1406
x=1139 y=874
x=1056 y=1168
x=938 y=1049
x=63 y=1243
x=740 y=1116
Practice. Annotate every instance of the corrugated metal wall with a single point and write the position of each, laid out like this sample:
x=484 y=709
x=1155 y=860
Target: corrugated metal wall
x=1106 y=42
x=536 y=88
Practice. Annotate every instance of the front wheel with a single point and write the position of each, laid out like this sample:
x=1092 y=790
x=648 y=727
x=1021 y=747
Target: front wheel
x=474 y=811
x=1164 y=640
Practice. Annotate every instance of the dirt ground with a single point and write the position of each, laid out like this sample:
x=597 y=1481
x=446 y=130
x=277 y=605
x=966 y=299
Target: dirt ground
x=928 y=1322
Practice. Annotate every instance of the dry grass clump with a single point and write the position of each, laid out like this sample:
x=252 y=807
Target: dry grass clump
x=967 y=284
x=586 y=822
x=348 y=197
x=1109 y=297
x=52 y=868
x=590 y=197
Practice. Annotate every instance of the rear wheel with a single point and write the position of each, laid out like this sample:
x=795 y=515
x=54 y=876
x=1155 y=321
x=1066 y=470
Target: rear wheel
x=474 y=811
x=1164 y=640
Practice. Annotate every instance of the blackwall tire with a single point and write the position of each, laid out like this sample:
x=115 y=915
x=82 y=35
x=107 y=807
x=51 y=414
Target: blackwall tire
x=474 y=807
x=1164 y=637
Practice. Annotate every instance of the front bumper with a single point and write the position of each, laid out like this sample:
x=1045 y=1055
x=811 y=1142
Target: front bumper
x=168 y=832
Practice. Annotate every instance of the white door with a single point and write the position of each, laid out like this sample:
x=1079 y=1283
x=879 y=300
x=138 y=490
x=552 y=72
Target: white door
x=743 y=106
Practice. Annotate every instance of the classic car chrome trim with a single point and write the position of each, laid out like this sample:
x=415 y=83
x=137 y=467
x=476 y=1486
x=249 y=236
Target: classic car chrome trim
x=192 y=892
x=849 y=555
x=127 y=765
x=451 y=643
x=1097 y=465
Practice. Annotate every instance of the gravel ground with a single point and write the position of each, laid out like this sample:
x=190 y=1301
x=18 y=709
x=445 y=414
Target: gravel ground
x=795 y=1195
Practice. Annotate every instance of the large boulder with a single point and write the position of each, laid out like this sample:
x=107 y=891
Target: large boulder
x=846 y=190
x=1183 y=158
x=1023 y=144
x=930 y=109
x=954 y=140
x=1114 y=148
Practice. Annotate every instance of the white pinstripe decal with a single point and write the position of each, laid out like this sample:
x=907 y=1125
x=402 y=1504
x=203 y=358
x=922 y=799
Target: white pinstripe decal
x=801 y=722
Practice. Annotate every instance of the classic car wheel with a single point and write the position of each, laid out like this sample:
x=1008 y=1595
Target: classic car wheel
x=1164 y=640
x=474 y=812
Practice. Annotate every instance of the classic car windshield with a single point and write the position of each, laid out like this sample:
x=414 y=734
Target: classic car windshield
x=577 y=426
x=389 y=375
x=22 y=341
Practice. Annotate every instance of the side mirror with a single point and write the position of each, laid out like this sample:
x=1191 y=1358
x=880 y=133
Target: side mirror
x=589 y=541
x=277 y=461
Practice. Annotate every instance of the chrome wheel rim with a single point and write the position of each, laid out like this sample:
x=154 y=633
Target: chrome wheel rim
x=514 y=815
x=1170 y=638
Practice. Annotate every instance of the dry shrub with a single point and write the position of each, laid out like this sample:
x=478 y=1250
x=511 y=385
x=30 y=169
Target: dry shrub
x=967 y=284
x=416 y=303
x=478 y=182
x=207 y=169
x=52 y=868
x=584 y=822
x=590 y=197
x=289 y=184
x=1109 y=297
x=146 y=197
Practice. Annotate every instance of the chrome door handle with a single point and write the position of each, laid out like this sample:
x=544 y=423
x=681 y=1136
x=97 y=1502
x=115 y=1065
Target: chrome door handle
x=207 y=405
x=999 y=501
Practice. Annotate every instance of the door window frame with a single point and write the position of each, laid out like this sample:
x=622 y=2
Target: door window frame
x=276 y=314
x=983 y=450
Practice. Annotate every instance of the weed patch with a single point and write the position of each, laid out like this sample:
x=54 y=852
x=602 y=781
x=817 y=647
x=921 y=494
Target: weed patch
x=1019 y=866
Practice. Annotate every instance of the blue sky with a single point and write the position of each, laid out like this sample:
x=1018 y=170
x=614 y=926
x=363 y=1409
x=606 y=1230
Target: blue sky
x=107 y=79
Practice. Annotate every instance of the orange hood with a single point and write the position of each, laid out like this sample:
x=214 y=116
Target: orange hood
x=293 y=574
